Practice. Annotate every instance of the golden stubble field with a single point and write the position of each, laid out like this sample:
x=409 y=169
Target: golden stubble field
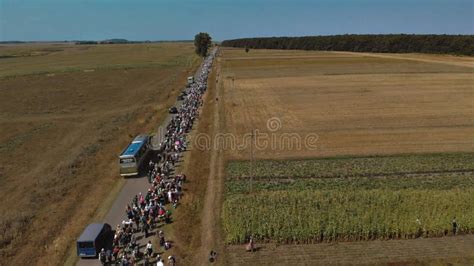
x=66 y=112
x=357 y=104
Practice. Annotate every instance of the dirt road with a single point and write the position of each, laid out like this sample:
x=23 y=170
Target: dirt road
x=211 y=210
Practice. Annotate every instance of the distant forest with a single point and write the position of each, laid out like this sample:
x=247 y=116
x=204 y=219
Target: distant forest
x=392 y=43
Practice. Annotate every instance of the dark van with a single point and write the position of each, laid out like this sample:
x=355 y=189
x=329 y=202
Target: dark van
x=95 y=237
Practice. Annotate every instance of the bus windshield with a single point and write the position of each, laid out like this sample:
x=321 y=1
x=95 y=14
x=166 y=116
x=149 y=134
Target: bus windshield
x=87 y=244
x=127 y=160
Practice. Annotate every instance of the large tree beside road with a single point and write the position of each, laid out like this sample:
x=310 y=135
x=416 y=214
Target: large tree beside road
x=202 y=42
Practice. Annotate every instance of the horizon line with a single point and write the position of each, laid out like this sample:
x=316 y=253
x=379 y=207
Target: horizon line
x=190 y=40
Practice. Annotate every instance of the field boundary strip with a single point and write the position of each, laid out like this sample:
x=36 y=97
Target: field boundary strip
x=346 y=166
x=376 y=175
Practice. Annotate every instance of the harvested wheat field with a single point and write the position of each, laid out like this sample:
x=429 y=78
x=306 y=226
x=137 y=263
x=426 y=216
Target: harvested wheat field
x=356 y=104
x=66 y=112
x=389 y=161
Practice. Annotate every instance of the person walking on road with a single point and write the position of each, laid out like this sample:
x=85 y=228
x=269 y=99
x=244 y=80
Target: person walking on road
x=102 y=257
x=455 y=226
x=146 y=228
x=161 y=236
x=159 y=261
x=171 y=261
x=250 y=246
x=149 y=249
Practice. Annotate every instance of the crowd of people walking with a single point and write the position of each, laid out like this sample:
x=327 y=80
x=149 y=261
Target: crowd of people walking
x=148 y=211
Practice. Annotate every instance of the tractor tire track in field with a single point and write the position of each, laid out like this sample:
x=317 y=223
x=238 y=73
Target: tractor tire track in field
x=210 y=222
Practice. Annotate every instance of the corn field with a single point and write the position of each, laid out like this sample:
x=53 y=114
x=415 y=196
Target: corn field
x=291 y=216
x=349 y=199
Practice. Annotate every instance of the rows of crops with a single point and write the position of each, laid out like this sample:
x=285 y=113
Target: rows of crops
x=445 y=181
x=325 y=215
x=353 y=166
x=362 y=198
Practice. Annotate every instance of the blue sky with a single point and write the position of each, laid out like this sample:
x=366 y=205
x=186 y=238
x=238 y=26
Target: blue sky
x=225 y=19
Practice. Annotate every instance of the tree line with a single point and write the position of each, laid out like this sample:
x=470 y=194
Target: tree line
x=383 y=43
